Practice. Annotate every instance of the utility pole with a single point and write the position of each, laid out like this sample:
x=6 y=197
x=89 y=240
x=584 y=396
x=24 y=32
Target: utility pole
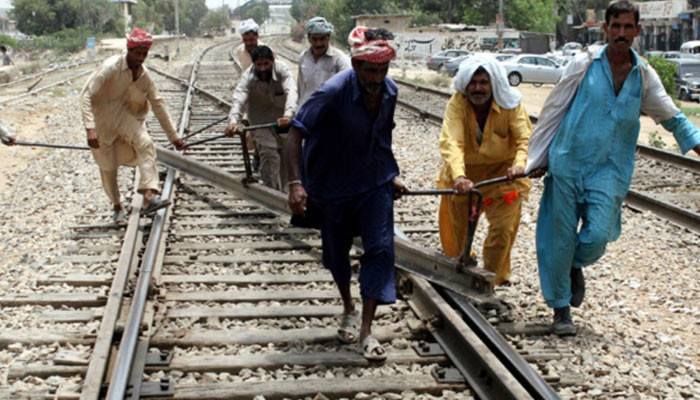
x=500 y=25
x=177 y=28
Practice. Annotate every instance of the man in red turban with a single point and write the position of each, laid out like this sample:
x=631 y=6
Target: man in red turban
x=348 y=169
x=114 y=103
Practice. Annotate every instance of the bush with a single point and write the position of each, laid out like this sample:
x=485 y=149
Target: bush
x=65 y=41
x=666 y=70
x=9 y=41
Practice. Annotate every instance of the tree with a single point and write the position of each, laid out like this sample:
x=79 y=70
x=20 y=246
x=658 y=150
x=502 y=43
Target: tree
x=215 y=20
x=159 y=15
x=531 y=15
x=40 y=17
x=257 y=10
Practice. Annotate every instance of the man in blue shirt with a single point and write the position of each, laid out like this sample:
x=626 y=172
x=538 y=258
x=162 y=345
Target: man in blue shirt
x=591 y=157
x=348 y=169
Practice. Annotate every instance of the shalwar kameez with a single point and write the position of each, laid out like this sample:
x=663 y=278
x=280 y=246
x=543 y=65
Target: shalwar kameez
x=115 y=106
x=479 y=155
x=590 y=164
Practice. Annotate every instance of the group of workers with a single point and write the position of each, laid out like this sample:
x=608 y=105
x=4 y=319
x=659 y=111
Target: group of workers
x=337 y=158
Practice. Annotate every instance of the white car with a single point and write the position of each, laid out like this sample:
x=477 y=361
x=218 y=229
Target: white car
x=532 y=68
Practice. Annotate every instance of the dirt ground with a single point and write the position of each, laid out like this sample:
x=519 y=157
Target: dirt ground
x=29 y=124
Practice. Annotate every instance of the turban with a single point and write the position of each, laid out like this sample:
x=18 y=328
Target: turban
x=319 y=26
x=139 y=38
x=505 y=96
x=371 y=45
x=248 y=25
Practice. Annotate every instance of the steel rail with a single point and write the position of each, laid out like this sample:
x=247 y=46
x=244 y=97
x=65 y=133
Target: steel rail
x=488 y=376
x=691 y=163
x=535 y=385
x=122 y=371
x=475 y=283
x=42 y=74
x=37 y=90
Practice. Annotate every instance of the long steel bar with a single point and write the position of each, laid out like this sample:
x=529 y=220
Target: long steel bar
x=125 y=356
x=486 y=375
x=120 y=375
x=675 y=214
x=74 y=77
x=536 y=386
x=475 y=283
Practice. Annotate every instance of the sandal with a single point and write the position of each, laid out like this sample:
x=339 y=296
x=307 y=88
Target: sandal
x=372 y=350
x=347 y=332
x=154 y=205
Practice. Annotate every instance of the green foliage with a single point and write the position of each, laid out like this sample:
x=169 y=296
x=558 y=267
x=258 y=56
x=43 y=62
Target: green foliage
x=691 y=111
x=9 y=41
x=216 y=20
x=65 y=41
x=666 y=70
x=41 y=17
x=421 y=18
x=531 y=15
x=159 y=15
x=257 y=10
x=655 y=140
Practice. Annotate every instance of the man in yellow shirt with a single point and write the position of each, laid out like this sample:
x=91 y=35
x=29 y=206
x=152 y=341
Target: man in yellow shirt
x=484 y=135
x=114 y=104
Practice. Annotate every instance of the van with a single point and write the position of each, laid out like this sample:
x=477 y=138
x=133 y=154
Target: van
x=691 y=47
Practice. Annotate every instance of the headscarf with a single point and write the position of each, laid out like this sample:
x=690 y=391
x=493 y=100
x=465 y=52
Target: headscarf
x=368 y=48
x=505 y=96
x=249 y=25
x=319 y=26
x=139 y=38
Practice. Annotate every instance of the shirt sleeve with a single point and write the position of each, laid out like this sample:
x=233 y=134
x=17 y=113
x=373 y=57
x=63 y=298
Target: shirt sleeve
x=91 y=88
x=520 y=128
x=290 y=89
x=452 y=138
x=240 y=97
x=656 y=103
x=686 y=134
x=160 y=110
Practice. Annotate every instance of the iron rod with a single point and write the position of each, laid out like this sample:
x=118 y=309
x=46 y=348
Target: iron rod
x=125 y=356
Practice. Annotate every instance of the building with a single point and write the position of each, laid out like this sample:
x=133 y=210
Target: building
x=666 y=24
x=390 y=22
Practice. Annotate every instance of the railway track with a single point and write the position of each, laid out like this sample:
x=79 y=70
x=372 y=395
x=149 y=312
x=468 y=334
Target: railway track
x=51 y=79
x=217 y=297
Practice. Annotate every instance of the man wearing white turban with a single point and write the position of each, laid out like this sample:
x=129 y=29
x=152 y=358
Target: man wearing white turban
x=321 y=60
x=249 y=34
x=484 y=135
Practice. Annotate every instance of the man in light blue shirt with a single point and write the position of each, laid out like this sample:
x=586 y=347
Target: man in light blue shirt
x=591 y=160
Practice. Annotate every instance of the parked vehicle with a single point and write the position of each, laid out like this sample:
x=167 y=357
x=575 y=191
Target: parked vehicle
x=691 y=47
x=451 y=66
x=687 y=78
x=571 y=48
x=532 y=69
x=653 y=53
x=671 y=54
x=436 y=61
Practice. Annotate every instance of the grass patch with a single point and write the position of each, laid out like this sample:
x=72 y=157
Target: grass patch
x=691 y=111
x=29 y=68
x=440 y=81
x=655 y=140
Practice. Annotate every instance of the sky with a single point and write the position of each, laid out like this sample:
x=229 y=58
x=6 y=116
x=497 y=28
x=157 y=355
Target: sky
x=217 y=3
x=210 y=3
